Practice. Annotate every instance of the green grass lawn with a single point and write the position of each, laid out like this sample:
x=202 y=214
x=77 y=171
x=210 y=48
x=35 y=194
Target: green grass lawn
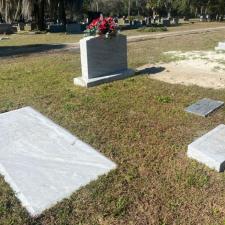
x=139 y=123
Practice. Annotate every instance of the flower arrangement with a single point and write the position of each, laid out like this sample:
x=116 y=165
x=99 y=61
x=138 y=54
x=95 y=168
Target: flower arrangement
x=102 y=27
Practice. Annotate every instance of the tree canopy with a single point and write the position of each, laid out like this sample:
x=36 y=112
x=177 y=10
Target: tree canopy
x=60 y=10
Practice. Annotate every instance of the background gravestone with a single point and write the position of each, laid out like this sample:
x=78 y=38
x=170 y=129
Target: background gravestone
x=204 y=107
x=73 y=28
x=220 y=47
x=6 y=28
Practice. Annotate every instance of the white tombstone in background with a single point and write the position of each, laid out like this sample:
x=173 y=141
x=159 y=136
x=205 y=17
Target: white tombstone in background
x=220 y=47
x=103 y=60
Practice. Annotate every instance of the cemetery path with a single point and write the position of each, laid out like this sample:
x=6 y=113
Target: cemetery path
x=9 y=51
x=172 y=34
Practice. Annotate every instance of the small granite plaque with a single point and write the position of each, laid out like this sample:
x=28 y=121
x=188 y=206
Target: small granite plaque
x=204 y=107
x=210 y=149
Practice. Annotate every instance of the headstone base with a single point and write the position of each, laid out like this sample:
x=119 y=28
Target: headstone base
x=104 y=79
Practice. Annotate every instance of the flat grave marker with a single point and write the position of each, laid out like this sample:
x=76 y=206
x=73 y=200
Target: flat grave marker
x=210 y=149
x=204 y=107
x=44 y=163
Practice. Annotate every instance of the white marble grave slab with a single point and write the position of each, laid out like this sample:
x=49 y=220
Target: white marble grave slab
x=210 y=149
x=42 y=162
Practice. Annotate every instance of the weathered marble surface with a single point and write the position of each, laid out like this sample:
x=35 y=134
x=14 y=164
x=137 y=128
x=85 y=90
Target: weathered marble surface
x=42 y=162
x=104 y=59
x=204 y=107
x=220 y=47
x=210 y=149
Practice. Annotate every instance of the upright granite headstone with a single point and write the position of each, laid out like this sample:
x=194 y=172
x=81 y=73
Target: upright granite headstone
x=73 y=28
x=6 y=28
x=103 y=60
x=56 y=28
x=166 y=22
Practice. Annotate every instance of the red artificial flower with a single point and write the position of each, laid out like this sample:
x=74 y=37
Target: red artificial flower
x=103 y=25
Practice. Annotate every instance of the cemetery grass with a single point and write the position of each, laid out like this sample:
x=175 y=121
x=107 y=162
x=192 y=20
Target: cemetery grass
x=139 y=123
x=27 y=39
x=45 y=38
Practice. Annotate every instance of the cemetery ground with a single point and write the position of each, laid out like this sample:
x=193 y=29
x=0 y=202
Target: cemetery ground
x=139 y=123
x=26 y=38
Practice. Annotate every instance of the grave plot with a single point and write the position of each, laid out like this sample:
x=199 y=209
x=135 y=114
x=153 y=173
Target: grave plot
x=210 y=149
x=42 y=162
x=202 y=68
x=204 y=107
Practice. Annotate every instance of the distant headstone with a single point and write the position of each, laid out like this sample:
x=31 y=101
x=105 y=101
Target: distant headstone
x=148 y=21
x=126 y=21
x=175 y=21
x=20 y=26
x=166 y=22
x=220 y=47
x=143 y=23
x=204 y=107
x=103 y=60
x=202 y=19
x=137 y=24
x=30 y=27
x=73 y=28
x=56 y=28
x=210 y=149
x=6 y=28
x=14 y=29
x=44 y=163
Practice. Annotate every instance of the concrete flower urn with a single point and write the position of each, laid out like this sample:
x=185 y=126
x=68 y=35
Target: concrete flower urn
x=103 y=60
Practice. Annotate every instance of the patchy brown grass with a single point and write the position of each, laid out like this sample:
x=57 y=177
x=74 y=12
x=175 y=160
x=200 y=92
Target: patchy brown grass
x=129 y=122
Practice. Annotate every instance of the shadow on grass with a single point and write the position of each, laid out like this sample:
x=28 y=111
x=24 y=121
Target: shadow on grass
x=8 y=51
x=150 y=70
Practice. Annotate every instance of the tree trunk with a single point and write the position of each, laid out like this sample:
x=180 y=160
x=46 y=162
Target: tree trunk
x=169 y=13
x=41 y=15
x=62 y=13
x=129 y=6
